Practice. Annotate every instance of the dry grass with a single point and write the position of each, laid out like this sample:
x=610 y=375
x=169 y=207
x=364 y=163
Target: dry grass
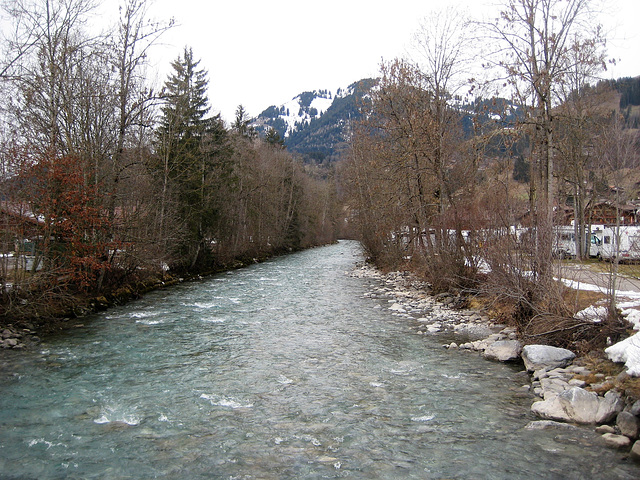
x=626 y=269
x=578 y=300
x=606 y=375
x=500 y=311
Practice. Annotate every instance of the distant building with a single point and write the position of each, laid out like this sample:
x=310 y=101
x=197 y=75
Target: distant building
x=605 y=212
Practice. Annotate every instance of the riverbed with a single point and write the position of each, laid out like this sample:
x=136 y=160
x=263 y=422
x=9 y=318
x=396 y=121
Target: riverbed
x=286 y=369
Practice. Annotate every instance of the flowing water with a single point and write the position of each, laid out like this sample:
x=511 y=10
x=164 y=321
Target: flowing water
x=282 y=370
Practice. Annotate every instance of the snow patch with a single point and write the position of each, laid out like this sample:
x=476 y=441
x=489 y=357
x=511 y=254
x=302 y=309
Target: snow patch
x=592 y=314
x=633 y=317
x=628 y=352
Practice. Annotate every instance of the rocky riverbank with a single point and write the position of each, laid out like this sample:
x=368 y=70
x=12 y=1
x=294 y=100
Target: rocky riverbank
x=17 y=338
x=564 y=391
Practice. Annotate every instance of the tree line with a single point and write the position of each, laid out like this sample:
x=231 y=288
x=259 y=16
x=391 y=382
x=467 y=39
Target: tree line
x=106 y=181
x=429 y=183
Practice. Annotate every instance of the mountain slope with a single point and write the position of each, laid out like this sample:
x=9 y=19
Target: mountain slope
x=316 y=124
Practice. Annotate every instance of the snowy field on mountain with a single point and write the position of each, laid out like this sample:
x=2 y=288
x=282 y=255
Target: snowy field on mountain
x=297 y=114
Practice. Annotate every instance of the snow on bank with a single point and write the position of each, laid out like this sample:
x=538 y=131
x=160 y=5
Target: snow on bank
x=633 y=296
x=628 y=352
x=592 y=314
x=633 y=317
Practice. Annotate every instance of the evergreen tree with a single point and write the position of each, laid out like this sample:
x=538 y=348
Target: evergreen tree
x=273 y=138
x=185 y=104
x=192 y=148
x=521 y=170
x=241 y=123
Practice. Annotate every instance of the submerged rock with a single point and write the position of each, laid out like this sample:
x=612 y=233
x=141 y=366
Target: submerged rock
x=635 y=452
x=616 y=441
x=547 y=424
x=605 y=429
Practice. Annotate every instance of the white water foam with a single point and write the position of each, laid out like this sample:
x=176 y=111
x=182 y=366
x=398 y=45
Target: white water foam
x=38 y=441
x=214 y=320
x=146 y=318
x=424 y=418
x=220 y=401
x=284 y=380
x=206 y=305
x=113 y=414
x=143 y=314
x=149 y=322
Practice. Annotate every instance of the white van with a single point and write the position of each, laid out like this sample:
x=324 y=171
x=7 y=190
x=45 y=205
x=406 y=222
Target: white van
x=628 y=247
x=564 y=245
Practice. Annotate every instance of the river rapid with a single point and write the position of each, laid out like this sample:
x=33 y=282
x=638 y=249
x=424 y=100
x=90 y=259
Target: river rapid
x=282 y=370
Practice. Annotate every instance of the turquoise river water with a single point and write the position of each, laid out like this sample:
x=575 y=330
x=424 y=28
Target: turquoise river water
x=281 y=370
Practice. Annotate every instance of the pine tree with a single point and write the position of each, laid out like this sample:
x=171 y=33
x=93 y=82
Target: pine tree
x=186 y=105
x=192 y=150
x=273 y=138
x=242 y=123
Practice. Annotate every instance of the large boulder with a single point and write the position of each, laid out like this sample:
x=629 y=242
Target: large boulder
x=550 y=409
x=577 y=405
x=537 y=357
x=504 y=350
x=628 y=424
x=628 y=352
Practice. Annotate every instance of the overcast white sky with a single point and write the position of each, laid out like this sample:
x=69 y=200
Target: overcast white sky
x=260 y=53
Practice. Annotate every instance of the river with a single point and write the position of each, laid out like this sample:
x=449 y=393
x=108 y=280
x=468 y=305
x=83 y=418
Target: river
x=282 y=370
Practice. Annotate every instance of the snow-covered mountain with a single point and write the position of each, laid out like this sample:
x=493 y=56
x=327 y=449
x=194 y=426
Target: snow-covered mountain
x=299 y=111
x=316 y=124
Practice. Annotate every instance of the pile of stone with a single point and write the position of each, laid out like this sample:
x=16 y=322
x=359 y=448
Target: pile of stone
x=412 y=298
x=10 y=337
x=502 y=346
x=563 y=397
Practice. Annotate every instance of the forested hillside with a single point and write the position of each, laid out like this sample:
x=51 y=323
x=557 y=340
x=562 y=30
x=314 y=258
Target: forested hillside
x=629 y=89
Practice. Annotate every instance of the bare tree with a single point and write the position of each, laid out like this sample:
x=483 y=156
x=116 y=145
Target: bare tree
x=443 y=49
x=579 y=123
x=619 y=153
x=537 y=43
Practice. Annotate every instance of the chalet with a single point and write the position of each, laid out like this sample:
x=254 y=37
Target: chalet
x=605 y=213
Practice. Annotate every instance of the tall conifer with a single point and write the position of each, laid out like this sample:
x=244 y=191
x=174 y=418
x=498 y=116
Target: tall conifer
x=191 y=149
